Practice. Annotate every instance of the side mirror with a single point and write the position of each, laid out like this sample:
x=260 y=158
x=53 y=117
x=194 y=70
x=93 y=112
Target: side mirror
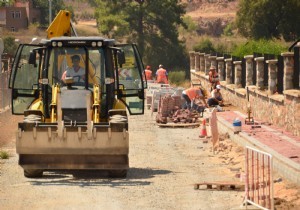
x=121 y=57
x=32 y=58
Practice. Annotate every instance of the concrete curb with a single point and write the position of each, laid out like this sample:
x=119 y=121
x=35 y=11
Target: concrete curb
x=286 y=167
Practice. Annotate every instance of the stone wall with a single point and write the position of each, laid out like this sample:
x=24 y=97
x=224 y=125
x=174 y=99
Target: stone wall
x=267 y=105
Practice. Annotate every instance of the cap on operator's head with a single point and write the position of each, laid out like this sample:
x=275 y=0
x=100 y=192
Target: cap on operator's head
x=219 y=87
x=75 y=57
x=160 y=66
x=212 y=68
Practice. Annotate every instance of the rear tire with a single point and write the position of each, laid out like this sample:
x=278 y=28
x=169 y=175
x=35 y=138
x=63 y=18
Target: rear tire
x=118 y=173
x=33 y=173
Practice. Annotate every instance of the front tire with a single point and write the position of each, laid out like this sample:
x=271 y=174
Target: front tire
x=33 y=173
x=118 y=173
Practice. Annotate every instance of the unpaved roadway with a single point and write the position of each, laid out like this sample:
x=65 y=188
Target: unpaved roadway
x=165 y=163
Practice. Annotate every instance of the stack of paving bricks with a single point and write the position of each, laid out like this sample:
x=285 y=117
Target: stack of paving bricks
x=167 y=105
x=177 y=101
x=180 y=116
x=158 y=94
x=185 y=116
x=148 y=101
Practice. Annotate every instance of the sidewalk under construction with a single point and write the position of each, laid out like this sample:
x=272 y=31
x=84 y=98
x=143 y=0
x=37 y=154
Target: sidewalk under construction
x=283 y=146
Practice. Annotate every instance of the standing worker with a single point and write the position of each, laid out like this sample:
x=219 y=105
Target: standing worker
x=161 y=75
x=148 y=73
x=213 y=77
x=190 y=95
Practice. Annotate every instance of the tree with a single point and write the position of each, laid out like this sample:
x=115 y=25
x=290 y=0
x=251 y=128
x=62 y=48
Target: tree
x=43 y=5
x=269 y=19
x=10 y=46
x=4 y=3
x=152 y=24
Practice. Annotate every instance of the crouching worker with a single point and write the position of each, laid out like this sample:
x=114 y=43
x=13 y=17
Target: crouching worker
x=216 y=97
x=191 y=95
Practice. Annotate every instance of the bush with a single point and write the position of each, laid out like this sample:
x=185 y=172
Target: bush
x=177 y=77
x=10 y=46
x=4 y=155
x=228 y=30
x=260 y=46
x=205 y=45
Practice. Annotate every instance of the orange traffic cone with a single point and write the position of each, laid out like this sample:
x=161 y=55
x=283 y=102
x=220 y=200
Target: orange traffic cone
x=203 y=132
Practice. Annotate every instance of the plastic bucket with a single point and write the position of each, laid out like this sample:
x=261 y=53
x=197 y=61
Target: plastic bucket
x=237 y=125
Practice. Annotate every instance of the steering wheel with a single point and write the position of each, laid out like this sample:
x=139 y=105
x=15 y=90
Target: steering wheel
x=77 y=79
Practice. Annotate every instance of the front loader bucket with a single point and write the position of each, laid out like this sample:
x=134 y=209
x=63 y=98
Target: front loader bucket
x=49 y=146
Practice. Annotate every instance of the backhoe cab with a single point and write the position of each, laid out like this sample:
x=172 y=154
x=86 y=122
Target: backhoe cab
x=79 y=122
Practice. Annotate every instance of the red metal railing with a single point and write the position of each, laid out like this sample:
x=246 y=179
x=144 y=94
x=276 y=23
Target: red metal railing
x=259 y=184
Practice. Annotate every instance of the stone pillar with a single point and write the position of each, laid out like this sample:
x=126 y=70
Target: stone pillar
x=207 y=63
x=272 y=69
x=228 y=62
x=288 y=70
x=202 y=62
x=238 y=74
x=260 y=72
x=220 y=68
x=197 y=62
x=192 y=60
x=249 y=69
x=213 y=61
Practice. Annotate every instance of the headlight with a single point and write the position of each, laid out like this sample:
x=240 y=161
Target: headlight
x=94 y=44
x=54 y=44
x=99 y=44
x=59 y=44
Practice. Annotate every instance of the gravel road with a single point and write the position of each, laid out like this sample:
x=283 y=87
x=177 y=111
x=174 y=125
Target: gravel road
x=165 y=163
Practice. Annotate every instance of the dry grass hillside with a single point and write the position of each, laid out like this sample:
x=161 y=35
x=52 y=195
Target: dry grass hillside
x=211 y=16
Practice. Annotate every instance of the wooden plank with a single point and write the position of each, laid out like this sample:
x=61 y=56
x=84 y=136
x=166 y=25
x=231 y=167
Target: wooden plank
x=173 y=125
x=221 y=186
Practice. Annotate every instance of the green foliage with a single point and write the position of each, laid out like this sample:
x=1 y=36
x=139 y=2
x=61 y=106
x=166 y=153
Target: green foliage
x=86 y=15
x=228 y=30
x=10 y=46
x=4 y=155
x=220 y=47
x=43 y=5
x=6 y=3
x=260 y=46
x=190 y=25
x=205 y=45
x=269 y=19
x=151 y=24
x=177 y=77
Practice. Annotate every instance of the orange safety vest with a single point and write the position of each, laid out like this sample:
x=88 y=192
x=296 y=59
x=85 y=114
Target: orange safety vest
x=192 y=93
x=148 y=74
x=161 y=76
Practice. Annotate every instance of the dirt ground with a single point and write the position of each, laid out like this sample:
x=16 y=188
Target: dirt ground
x=165 y=163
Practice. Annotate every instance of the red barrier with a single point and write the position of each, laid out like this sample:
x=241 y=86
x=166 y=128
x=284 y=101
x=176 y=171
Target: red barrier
x=259 y=184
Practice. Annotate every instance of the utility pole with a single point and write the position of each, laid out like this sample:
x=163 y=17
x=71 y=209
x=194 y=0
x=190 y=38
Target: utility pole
x=50 y=11
x=1 y=51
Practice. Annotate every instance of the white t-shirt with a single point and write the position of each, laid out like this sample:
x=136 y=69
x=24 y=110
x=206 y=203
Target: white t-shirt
x=215 y=94
x=76 y=75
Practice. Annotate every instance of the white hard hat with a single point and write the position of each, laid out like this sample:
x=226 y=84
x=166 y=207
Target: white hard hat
x=219 y=87
x=160 y=66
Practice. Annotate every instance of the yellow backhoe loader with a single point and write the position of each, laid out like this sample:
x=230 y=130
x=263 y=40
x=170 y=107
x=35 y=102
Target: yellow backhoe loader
x=75 y=122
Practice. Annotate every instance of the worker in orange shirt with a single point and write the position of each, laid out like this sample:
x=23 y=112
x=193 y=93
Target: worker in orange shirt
x=190 y=95
x=161 y=75
x=148 y=73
